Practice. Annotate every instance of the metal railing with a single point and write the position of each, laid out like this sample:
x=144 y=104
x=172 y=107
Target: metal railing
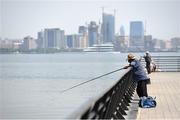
x=113 y=103
x=167 y=63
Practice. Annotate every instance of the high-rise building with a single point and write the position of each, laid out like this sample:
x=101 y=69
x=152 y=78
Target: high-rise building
x=40 y=39
x=73 y=41
x=108 y=28
x=10 y=43
x=148 y=43
x=82 y=30
x=168 y=45
x=83 y=36
x=6 y=44
x=160 y=45
x=62 y=43
x=92 y=33
x=121 y=43
x=83 y=40
x=29 y=43
x=76 y=42
x=175 y=43
x=69 y=41
x=136 y=36
x=54 y=38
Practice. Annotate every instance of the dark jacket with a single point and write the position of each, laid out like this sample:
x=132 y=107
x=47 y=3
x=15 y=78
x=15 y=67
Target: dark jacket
x=138 y=70
x=147 y=58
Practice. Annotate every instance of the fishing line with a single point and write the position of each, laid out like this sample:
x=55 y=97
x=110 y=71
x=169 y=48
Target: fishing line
x=90 y=80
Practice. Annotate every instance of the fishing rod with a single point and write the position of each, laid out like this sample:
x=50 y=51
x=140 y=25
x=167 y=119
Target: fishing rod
x=91 y=80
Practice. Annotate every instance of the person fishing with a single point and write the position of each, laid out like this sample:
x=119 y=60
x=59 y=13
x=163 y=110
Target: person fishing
x=148 y=61
x=139 y=75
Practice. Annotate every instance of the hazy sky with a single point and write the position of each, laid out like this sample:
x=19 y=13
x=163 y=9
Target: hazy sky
x=20 y=18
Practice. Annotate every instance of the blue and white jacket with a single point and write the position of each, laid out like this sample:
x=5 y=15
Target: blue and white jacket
x=138 y=70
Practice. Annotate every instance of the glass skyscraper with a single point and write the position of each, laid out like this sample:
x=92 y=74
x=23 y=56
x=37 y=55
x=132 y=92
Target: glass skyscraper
x=92 y=33
x=82 y=30
x=40 y=40
x=136 y=35
x=54 y=38
x=69 y=40
x=108 y=28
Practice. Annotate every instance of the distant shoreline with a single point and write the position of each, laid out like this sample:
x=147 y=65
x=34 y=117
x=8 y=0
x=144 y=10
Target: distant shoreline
x=85 y=52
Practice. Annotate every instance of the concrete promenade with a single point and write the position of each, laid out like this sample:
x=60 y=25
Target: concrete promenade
x=166 y=87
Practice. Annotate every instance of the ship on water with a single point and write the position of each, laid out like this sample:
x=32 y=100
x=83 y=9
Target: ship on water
x=108 y=47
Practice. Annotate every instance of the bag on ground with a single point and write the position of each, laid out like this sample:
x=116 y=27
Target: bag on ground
x=147 y=102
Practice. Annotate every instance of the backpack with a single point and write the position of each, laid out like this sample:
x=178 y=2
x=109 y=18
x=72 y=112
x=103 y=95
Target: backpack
x=147 y=102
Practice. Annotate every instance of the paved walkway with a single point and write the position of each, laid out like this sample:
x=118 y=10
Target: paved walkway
x=166 y=87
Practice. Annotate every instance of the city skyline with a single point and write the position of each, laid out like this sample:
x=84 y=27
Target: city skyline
x=21 y=18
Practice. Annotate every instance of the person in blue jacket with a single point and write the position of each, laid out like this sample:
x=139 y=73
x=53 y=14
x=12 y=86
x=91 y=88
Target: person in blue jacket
x=139 y=75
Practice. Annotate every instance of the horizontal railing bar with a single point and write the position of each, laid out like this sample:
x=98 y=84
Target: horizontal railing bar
x=166 y=56
x=166 y=59
x=164 y=64
x=168 y=68
x=170 y=62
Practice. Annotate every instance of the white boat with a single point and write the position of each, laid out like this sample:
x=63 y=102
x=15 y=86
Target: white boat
x=108 y=47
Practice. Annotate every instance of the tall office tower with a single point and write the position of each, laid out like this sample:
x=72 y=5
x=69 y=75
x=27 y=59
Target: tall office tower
x=73 y=41
x=83 y=36
x=83 y=41
x=136 y=36
x=148 y=43
x=62 y=42
x=69 y=41
x=108 y=28
x=82 y=30
x=76 y=41
x=175 y=43
x=40 y=40
x=29 y=43
x=92 y=33
x=54 y=38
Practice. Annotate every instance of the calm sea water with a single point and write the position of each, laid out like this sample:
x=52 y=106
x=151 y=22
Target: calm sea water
x=31 y=84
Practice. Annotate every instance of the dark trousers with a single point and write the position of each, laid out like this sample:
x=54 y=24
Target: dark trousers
x=142 y=88
x=148 y=67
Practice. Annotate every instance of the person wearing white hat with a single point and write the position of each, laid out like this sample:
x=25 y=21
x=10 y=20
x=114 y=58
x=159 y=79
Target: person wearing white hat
x=139 y=75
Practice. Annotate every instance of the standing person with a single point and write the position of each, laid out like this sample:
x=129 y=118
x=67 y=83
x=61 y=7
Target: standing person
x=148 y=61
x=139 y=75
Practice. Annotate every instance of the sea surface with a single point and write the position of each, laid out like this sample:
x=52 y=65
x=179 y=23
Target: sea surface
x=31 y=85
